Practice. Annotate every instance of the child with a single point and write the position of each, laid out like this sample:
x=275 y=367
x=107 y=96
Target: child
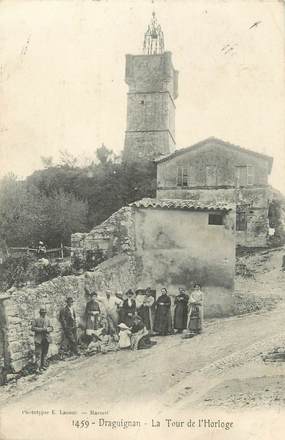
x=124 y=336
x=95 y=344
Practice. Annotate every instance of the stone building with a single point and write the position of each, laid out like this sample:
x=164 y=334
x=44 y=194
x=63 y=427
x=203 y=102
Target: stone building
x=171 y=243
x=153 y=87
x=217 y=171
x=209 y=171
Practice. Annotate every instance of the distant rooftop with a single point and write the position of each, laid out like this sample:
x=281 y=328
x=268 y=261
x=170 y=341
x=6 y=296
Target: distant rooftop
x=194 y=147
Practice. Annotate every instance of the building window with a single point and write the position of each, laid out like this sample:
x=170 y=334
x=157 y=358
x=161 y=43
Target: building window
x=250 y=175
x=241 y=222
x=211 y=175
x=182 y=176
x=215 y=219
x=244 y=175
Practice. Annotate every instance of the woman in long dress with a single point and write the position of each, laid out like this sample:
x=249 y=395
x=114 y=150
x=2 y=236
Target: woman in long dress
x=140 y=337
x=181 y=311
x=129 y=309
x=162 y=313
x=92 y=313
x=195 y=314
x=145 y=310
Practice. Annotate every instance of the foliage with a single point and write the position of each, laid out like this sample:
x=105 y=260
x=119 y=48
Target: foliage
x=20 y=270
x=93 y=258
x=28 y=215
x=64 y=198
x=105 y=186
x=15 y=271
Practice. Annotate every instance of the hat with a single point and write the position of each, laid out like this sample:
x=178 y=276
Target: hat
x=130 y=292
x=123 y=326
x=69 y=299
x=40 y=242
x=43 y=309
x=93 y=293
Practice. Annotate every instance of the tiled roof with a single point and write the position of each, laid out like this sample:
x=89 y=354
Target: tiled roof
x=219 y=141
x=182 y=204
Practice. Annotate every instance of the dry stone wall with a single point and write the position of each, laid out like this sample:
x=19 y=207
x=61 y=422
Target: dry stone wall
x=20 y=307
x=113 y=237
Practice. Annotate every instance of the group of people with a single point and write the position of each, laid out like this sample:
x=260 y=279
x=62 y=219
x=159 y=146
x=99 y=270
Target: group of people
x=117 y=322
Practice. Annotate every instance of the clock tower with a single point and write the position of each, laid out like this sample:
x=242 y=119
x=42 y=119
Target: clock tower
x=153 y=85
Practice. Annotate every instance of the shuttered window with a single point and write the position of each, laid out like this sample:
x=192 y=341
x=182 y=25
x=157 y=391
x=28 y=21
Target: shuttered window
x=244 y=175
x=250 y=175
x=211 y=175
x=241 y=221
x=182 y=176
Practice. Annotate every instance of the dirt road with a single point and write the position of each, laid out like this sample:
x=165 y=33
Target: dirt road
x=112 y=379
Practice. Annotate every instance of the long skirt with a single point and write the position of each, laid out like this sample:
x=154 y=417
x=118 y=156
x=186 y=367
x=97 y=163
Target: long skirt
x=162 y=321
x=180 y=316
x=137 y=337
x=195 y=318
x=92 y=323
x=145 y=313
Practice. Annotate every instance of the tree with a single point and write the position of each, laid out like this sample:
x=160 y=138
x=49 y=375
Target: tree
x=28 y=215
x=104 y=155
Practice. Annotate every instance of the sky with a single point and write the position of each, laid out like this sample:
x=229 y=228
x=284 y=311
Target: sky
x=62 y=66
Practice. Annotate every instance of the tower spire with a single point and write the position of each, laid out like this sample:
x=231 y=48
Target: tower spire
x=153 y=38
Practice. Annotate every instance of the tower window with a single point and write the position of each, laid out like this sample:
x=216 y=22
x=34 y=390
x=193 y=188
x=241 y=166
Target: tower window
x=142 y=101
x=215 y=219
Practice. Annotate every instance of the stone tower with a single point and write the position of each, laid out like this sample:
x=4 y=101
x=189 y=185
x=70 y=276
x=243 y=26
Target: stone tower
x=153 y=84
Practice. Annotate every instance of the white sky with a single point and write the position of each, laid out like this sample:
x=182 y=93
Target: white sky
x=62 y=75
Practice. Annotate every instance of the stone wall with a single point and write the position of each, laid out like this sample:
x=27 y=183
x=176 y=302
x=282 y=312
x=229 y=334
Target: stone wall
x=147 y=144
x=22 y=306
x=112 y=237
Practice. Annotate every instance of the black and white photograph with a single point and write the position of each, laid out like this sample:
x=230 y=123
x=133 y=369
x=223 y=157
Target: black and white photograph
x=142 y=219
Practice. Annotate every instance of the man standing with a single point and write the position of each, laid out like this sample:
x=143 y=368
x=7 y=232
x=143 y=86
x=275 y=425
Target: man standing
x=42 y=250
x=67 y=319
x=111 y=305
x=42 y=328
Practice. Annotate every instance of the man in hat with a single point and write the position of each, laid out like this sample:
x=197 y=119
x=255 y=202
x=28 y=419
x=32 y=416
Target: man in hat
x=42 y=250
x=67 y=319
x=42 y=329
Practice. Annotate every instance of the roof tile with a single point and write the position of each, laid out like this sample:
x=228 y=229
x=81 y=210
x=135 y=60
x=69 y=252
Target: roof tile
x=182 y=204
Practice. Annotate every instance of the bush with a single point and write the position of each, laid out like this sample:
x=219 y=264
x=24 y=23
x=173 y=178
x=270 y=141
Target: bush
x=15 y=271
